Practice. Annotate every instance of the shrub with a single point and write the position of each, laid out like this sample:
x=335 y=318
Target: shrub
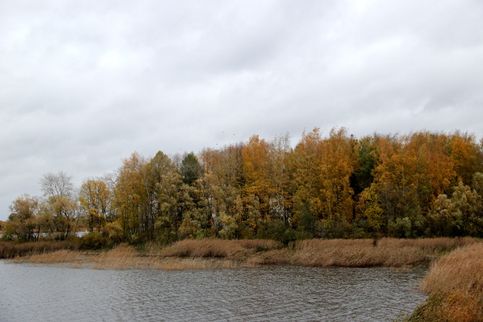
x=95 y=240
x=113 y=231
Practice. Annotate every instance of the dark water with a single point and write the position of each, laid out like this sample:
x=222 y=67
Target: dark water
x=40 y=293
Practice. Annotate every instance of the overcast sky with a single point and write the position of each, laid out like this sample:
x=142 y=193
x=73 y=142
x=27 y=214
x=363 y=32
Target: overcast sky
x=85 y=83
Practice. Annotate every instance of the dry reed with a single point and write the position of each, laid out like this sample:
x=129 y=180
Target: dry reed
x=455 y=285
x=123 y=257
x=218 y=248
x=362 y=252
x=234 y=253
x=10 y=249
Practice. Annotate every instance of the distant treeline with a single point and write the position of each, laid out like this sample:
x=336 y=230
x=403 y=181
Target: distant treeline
x=423 y=184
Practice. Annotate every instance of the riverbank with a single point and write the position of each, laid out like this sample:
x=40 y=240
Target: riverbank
x=454 y=284
x=10 y=249
x=215 y=253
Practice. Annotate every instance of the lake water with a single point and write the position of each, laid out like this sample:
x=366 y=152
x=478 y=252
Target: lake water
x=278 y=293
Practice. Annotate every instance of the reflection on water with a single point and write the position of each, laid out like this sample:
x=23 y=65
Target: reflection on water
x=40 y=293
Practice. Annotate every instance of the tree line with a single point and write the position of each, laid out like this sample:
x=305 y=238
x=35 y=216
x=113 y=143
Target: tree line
x=339 y=186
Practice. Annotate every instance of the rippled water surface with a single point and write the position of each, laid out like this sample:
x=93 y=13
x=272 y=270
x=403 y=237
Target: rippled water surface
x=40 y=293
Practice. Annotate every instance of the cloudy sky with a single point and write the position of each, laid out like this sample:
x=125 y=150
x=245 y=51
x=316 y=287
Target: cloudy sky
x=85 y=83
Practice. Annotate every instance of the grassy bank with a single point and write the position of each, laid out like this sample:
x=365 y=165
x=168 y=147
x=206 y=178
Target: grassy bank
x=123 y=257
x=454 y=284
x=10 y=249
x=209 y=253
x=186 y=254
x=390 y=252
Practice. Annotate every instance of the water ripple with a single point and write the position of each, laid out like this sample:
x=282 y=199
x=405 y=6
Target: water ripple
x=39 y=293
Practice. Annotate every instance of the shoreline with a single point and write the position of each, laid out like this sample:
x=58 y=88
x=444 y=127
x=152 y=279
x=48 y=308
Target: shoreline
x=454 y=285
x=453 y=282
x=216 y=253
x=123 y=257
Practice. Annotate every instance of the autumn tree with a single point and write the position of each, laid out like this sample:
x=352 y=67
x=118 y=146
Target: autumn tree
x=335 y=186
x=224 y=180
x=477 y=183
x=146 y=198
x=366 y=155
x=130 y=196
x=162 y=182
x=22 y=220
x=467 y=156
x=190 y=168
x=46 y=220
x=336 y=167
x=322 y=194
x=95 y=199
x=459 y=215
x=258 y=186
x=370 y=216
x=306 y=184
x=197 y=221
x=281 y=201
x=411 y=172
x=59 y=191
x=434 y=168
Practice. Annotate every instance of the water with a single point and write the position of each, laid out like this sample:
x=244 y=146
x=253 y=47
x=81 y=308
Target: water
x=281 y=293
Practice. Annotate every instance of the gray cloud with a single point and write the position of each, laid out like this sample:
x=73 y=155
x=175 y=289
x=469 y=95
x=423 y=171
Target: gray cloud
x=85 y=83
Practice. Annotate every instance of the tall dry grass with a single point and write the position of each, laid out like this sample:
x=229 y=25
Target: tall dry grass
x=123 y=257
x=63 y=256
x=11 y=249
x=362 y=252
x=185 y=254
x=217 y=248
x=233 y=253
x=455 y=285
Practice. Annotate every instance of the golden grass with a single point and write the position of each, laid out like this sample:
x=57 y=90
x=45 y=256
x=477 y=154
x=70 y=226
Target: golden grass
x=10 y=249
x=67 y=257
x=209 y=253
x=455 y=286
x=362 y=252
x=218 y=248
x=123 y=257
x=460 y=270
